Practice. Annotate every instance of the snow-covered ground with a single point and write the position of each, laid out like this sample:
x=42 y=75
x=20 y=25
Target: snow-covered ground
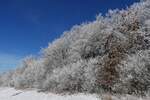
x=12 y=94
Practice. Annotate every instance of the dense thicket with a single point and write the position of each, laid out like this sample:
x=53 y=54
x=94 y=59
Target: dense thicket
x=110 y=54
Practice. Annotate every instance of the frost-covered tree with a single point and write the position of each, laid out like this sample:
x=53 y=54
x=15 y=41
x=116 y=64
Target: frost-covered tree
x=110 y=54
x=135 y=73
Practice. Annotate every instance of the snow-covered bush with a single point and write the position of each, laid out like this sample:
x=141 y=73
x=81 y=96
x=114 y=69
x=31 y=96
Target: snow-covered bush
x=30 y=74
x=77 y=77
x=6 y=78
x=135 y=73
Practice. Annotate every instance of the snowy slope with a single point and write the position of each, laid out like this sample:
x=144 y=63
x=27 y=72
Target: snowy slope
x=12 y=94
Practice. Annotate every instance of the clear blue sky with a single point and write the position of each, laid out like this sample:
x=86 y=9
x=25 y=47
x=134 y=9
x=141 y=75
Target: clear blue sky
x=26 y=26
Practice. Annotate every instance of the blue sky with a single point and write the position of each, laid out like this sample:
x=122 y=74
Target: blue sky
x=26 y=26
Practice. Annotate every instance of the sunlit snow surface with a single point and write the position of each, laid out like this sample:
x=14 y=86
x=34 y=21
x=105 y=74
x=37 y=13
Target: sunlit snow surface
x=12 y=94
